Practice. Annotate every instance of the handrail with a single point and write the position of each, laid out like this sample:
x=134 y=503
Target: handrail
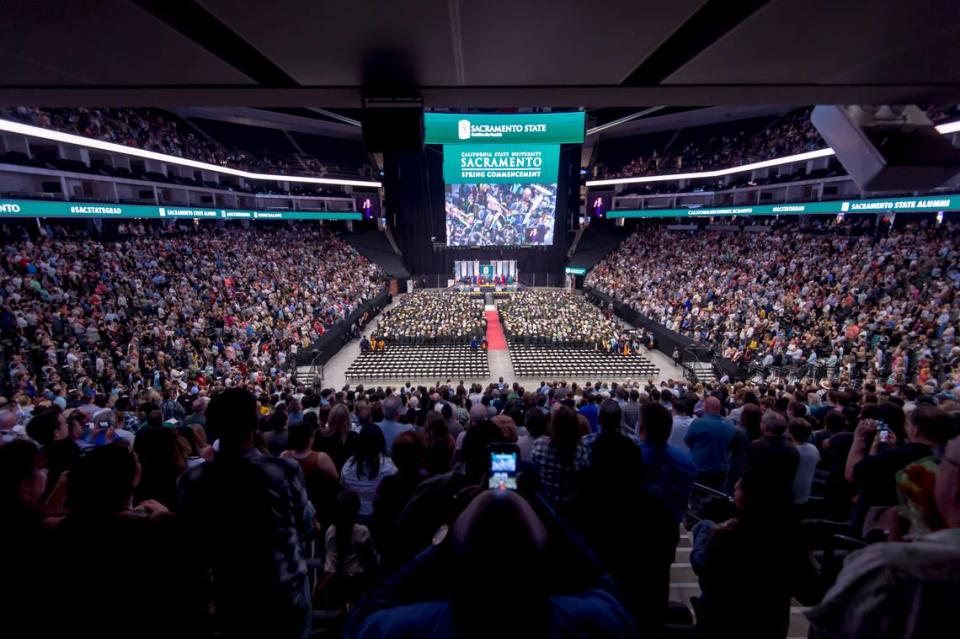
x=713 y=492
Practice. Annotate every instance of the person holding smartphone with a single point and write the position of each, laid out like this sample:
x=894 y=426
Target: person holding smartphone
x=509 y=567
x=872 y=465
x=105 y=429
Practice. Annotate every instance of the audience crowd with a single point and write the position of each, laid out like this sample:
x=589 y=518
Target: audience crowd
x=559 y=318
x=877 y=308
x=222 y=510
x=433 y=317
x=161 y=475
x=788 y=135
x=163 y=132
x=81 y=315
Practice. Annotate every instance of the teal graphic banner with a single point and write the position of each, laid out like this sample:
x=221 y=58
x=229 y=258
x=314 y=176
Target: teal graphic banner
x=927 y=204
x=487 y=128
x=43 y=208
x=500 y=163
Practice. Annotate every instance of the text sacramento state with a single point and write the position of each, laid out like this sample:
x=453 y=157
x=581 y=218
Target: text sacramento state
x=505 y=162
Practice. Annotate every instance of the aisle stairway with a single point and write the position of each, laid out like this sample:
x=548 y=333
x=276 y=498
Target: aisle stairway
x=703 y=372
x=684 y=584
x=496 y=340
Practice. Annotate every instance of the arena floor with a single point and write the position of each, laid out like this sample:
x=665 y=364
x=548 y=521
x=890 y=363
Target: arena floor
x=500 y=366
x=683 y=581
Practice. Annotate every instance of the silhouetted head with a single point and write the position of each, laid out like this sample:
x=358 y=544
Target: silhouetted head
x=232 y=416
x=711 y=405
x=610 y=416
x=499 y=589
x=656 y=423
x=22 y=474
x=391 y=407
x=476 y=456
x=102 y=481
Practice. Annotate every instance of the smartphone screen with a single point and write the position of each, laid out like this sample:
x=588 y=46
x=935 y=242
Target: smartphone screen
x=883 y=431
x=503 y=470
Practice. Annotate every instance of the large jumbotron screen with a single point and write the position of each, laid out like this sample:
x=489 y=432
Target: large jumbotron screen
x=500 y=214
x=500 y=174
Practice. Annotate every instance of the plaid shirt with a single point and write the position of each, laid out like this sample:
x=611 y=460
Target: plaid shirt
x=253 y=518
x=130 y=422
x=631 y=415
x=587 y=441
x=559 y=478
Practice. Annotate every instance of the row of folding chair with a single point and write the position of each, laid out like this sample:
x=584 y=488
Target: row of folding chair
x=399 y=362
x=536 y=361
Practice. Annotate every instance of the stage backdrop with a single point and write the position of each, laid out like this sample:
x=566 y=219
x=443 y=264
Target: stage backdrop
x=414 y=206
x=469 y=268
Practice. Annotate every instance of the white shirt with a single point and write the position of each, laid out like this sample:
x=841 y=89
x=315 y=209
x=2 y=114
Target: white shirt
x=803 y=480
x=525 y=444
x=365 y=486
x=680 y=425
x=351 y=563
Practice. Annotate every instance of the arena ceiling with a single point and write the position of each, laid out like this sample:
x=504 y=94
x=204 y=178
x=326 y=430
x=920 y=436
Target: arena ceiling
x=494 y=53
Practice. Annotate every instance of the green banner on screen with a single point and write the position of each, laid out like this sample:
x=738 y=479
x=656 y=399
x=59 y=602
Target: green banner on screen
x=574 y=270
x=501 y=163
x=43 y=208
x=929 y=204
x=477 y=128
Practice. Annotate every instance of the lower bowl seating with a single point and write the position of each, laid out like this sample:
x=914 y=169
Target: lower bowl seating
x=419 y=362
x=546 y=361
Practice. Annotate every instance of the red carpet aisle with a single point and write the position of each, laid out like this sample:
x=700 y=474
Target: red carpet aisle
x=496 y=341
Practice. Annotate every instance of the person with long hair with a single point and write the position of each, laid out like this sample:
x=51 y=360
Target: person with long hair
x=756 y=556
x=319 y=472
x=440 y=444
x=162 y=459
x=748 y=431
x=369 y=464
x=323 y=414
x=560 y=458
x=275 y=431
x=337 y=439
x=351 y=562
x=196 y=438
x=394 y=491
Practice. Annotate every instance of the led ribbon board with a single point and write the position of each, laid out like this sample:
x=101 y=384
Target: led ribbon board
x=928 y=204
x=42 y=208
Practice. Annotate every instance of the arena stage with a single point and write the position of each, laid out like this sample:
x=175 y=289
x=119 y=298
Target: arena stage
x=500 y=362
